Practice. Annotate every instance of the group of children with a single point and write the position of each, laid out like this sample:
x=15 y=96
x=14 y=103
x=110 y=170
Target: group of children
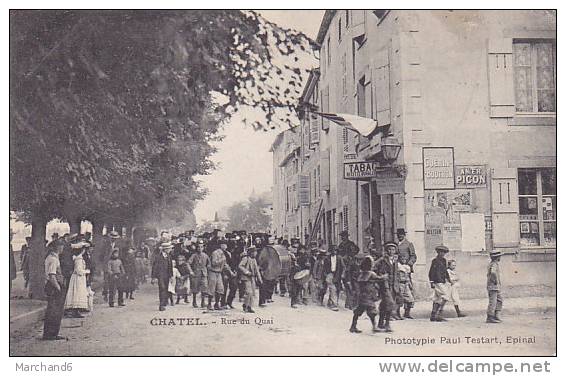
x=389 y=280
x=125 y=271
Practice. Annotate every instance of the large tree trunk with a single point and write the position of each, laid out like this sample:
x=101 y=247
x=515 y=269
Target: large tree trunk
x=129 y=231
x=37 y=258
x=75 y=225
x=97 y=238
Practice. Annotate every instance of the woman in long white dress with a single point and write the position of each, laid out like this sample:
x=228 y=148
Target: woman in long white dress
x=77 y=293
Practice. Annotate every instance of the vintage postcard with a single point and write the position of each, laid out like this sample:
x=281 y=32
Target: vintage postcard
x=283 y=182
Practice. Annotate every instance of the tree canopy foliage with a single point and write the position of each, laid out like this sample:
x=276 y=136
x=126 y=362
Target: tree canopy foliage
x=251 y=215
x=112 y=112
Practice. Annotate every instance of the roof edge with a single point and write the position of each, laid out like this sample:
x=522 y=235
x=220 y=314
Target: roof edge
x=324 y=25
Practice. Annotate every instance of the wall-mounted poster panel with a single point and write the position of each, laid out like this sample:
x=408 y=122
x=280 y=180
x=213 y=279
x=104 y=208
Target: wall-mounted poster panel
x=473 y=232
x=471 y=176
x=438 y=168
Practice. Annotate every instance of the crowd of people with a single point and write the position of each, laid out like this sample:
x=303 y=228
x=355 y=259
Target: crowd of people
x=209 y=270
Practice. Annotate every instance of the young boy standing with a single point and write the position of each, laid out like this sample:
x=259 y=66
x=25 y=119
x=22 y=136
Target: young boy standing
x=367 y=280
x=440 y=282
x=116 y=273
x=494 y=288
x=405 y=286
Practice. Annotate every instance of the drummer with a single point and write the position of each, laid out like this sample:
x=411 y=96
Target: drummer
x=301 y=277
x=311 y=288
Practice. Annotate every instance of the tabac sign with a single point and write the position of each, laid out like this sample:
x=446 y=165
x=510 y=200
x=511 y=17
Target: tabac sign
x=360 y=170
x=438 y=168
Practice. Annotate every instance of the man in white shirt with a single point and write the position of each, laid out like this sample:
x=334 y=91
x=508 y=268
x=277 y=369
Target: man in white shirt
x=333 y=268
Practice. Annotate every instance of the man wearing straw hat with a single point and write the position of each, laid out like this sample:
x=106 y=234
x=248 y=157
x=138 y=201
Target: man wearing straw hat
x=494 y=288
x=161 y=272
x=106 y=254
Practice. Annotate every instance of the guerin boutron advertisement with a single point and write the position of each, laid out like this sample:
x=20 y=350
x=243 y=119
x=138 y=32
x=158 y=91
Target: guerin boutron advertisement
x=282 y=182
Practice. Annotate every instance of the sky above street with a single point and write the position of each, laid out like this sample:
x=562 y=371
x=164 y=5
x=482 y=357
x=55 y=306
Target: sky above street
x=243 y=157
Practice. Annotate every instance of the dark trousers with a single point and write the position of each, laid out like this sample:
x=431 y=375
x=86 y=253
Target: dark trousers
x=113 y=285
x=105 y=284
x=283 y=285
x=53 y=314
x=163 y=285
x=230 y=288
x=296 y=290
x=266 y=291
x=241 y=290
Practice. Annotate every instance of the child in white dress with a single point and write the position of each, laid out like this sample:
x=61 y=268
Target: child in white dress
x=455 y=287
x=172 y=283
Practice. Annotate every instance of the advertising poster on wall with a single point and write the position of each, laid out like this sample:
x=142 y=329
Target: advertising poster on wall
x=438 y=168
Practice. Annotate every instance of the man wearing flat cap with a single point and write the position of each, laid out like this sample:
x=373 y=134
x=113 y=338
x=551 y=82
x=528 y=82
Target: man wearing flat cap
x=406 y=248
x=494 y=288
x=386 y=270
x=199 y=263
x=440 y=282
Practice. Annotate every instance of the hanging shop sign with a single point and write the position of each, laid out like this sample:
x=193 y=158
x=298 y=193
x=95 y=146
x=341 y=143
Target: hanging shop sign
x=387 y=186
x=361 y=170
x=473 y=176
x=350 y=156
x=438 y=168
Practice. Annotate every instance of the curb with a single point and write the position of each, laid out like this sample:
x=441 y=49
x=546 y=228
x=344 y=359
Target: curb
x=26 y=321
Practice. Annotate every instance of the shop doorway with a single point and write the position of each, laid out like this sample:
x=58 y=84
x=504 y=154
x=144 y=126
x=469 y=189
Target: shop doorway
x=377 y=216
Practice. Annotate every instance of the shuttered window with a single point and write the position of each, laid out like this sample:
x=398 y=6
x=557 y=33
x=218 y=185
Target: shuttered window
x=346 y=218
x=381 y=89
x=314 y=130
x=304 y=182
x=324 y=106
x=504 y=204
x=344 y=77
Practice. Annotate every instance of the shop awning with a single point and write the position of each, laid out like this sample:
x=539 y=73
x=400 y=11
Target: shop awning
x=362 y=125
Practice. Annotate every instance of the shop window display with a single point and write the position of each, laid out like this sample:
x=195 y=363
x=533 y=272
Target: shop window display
x=537 y=207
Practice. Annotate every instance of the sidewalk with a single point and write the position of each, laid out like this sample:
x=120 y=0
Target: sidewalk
x=24 y=312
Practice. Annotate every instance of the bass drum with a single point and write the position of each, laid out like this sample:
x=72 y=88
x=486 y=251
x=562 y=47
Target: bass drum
x=274 y=261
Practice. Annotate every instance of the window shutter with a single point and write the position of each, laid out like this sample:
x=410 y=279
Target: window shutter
x=325 y=170
x=295 y=197
x=500 y=77
x=304 y=192
x=306 y=135
x=345 y=212
x=325 y=104
x=314 y=130
x=381 y=87
x=505 y=207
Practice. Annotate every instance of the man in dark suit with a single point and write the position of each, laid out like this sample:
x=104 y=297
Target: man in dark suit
x=333 y=270
x=161 y=271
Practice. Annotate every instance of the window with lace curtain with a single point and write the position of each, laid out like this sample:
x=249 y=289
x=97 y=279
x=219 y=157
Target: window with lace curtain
x=534 y=64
